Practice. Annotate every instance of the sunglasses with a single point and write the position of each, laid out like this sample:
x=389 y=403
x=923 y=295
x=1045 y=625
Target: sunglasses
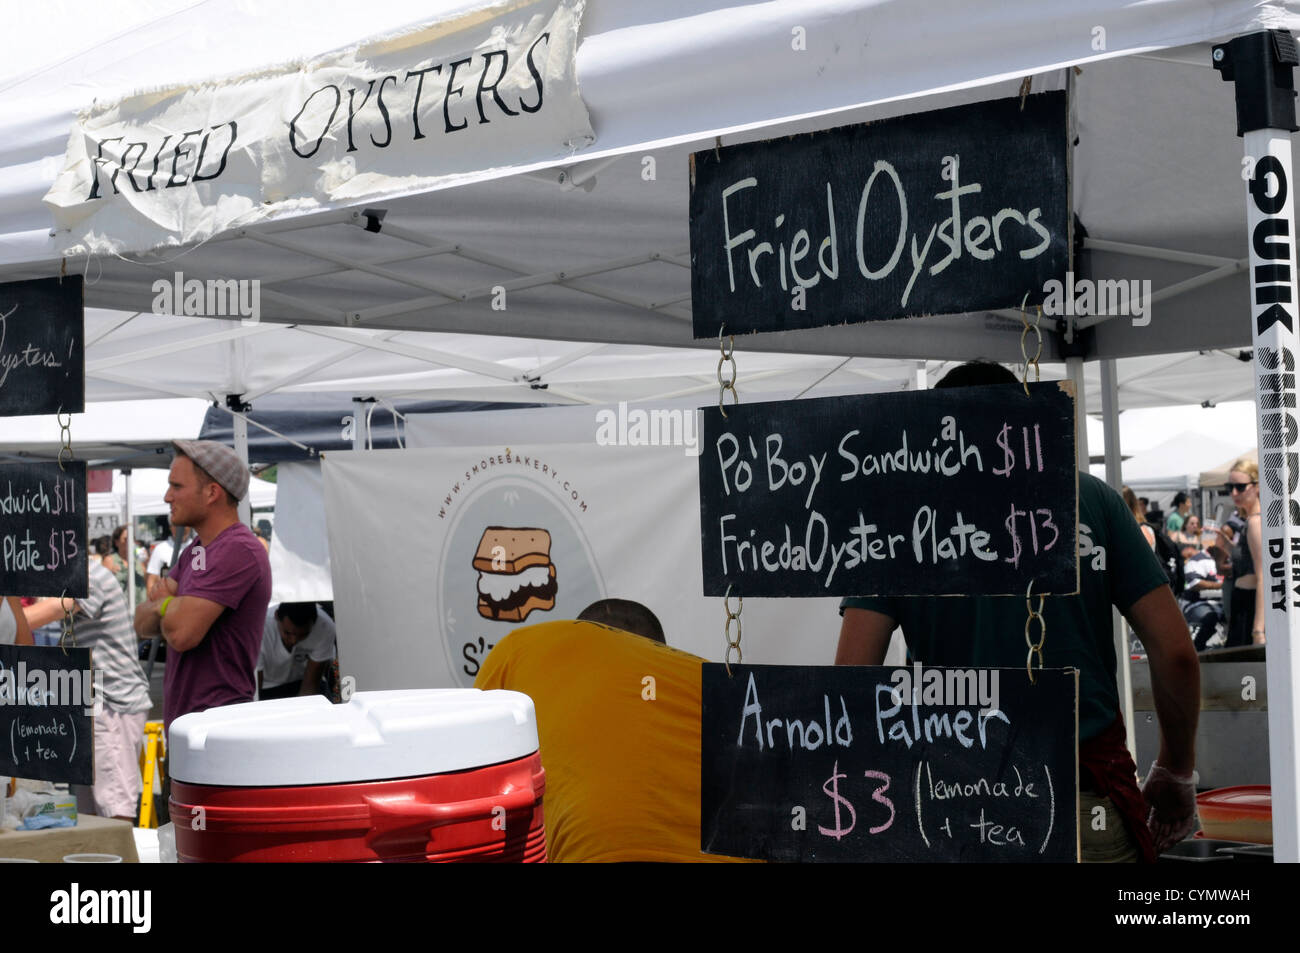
x=1239 y=487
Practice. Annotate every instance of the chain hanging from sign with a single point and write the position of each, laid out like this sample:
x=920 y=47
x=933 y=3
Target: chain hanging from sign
x=726 y=384
x=68 y=637
x=733 y=644
x=1038 y=338
x=1035 y=648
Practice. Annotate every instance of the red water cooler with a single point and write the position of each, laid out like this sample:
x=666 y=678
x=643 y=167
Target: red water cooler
x=403 y=776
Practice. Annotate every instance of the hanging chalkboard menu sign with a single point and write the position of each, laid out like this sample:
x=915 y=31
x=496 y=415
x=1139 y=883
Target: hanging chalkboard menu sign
x=968 y=490
x=43 y=529
x=814 y=763
x=47 y=702
x=42 y=347
x=942 y=212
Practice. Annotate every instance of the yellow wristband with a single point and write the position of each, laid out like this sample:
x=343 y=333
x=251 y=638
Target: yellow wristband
x=162 y=606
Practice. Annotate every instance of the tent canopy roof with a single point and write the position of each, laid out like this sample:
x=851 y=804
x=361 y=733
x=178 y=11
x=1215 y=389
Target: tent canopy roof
x=1146 y=94
x=1174 y=463
x=1218 y=476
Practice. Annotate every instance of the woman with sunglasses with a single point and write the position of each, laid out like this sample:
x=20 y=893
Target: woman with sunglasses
x=1247 y=612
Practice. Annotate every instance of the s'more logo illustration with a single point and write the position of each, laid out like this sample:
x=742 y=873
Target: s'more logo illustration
x=515 y=573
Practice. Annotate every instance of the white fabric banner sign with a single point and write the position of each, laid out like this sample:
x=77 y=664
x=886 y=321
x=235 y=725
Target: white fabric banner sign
x=300 y=559
x=424 y=545
x=440 y=104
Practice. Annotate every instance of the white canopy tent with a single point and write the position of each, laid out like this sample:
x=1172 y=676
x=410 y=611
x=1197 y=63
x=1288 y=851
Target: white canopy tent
x=110 y=434
x=134 y=355
x=640 y=73
x=1217 y=476
x=591 y=248
x=1174 y=464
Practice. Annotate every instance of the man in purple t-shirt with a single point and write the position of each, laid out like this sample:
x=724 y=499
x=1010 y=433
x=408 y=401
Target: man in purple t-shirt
x=214 y=607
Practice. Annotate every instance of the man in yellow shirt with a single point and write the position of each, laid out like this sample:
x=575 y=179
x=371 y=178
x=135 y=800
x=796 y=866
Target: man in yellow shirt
x=618 y=719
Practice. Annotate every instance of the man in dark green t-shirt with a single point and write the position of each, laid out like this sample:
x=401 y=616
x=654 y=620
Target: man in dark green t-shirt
x=1116 y=568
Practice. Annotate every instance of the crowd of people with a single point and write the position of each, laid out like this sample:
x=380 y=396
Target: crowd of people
x=1211 y=566
x=205 y=592
x=208 y=598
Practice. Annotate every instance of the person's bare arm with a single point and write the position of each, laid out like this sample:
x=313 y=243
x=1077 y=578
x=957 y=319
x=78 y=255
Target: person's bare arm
x=24 y=636
x=310 y=677
x=1170 y=788
x=44 y=611
x=146 y=621
x=1255 y=540
x=864 y=637
x=1175 y=675
x=186 y=623
x=188 y=620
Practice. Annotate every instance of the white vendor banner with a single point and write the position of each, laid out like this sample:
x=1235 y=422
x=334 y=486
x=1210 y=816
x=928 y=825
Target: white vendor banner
x=438 y=554
x=437 y=105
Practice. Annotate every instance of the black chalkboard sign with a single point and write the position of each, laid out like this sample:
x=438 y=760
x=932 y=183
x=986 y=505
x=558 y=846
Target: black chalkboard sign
x=42 y=347
x=968 y=490
x=942 y=212
x=47 y=708
x=43 y=529
x=820 y=763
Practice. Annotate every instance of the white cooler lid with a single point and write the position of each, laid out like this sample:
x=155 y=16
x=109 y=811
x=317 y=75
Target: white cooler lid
x=375 y=736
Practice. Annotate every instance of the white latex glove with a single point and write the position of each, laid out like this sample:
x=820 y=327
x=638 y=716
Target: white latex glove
x=1172 y=802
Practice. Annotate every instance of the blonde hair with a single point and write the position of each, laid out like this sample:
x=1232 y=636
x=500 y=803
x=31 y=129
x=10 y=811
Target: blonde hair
x=1246 y=466
x=1134 y=506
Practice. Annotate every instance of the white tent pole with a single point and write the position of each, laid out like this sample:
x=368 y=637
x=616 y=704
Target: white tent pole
x=156 y=641
x=175 y=347
x=1261 y=66
x=420 y=353
x=360 y=423
x=130 y=544
x=1170 y=291
x=1110 y=431
x=1275 y=351
x=1074 y=369
x=239 y=425
x=1110 y=421
x=237 y=378
x=1159 y=254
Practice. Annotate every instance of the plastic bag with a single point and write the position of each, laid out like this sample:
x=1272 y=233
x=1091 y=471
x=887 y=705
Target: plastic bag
x=167 y=844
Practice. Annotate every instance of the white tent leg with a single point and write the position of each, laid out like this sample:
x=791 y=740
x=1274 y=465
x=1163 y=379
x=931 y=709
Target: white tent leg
x=240 y=427
x=130 y=544
x=1110 y=429
x=1074 y=369
x=130 y=576
x=360 y=423
x=1260 y=64
x=1110 y=421
x=1271 y=222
